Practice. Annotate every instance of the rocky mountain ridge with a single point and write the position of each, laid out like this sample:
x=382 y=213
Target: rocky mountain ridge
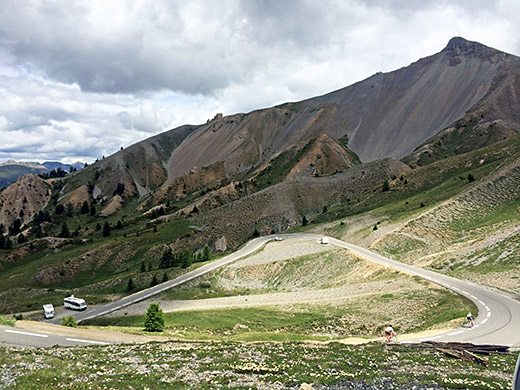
x=460 y=99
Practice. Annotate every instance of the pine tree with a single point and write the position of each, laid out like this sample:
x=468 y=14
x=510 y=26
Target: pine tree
x=106 y=230
x=154 y=318
x=305 y=222
x=167 y=259
x=386 y=186
x=186 y=258
x=130 y=285
x=85 y=208
x=164 y=278
x=154 y=281
x=143 y=267
x=65 y=233
x=206 y=253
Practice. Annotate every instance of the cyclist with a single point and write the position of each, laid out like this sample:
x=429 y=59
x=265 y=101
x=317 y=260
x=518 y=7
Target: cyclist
x=471 y=319
x=389 y=332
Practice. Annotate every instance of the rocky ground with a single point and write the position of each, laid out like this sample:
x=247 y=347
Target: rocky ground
x=279 y=366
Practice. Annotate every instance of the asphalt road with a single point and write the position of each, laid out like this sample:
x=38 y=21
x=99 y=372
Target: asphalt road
x=99 y=311
x=499 y=315
x=17 y=337
x=496 y=323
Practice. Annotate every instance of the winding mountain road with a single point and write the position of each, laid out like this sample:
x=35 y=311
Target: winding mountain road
x=496 y=323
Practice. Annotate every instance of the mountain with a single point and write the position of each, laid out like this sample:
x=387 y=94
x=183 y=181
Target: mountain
x=386 y=115
x=468 y=87
x=398 y=141
x=10 y=171
x=24 y=199
x=449 y=103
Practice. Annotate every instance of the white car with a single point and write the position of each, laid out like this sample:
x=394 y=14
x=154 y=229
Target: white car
x=278 y=238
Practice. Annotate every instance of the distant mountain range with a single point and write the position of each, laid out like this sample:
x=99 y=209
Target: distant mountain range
x=10 y=171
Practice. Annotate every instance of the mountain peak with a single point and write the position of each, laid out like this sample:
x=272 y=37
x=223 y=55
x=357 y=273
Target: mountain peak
x=459 y=43
x=458 y=46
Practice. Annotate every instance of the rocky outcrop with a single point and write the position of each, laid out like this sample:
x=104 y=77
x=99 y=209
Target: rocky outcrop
x=23 y=199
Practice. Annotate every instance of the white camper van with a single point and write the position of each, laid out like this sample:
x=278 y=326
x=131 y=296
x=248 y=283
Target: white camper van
x=324 y=240
x=74 y=303
x=48 y=311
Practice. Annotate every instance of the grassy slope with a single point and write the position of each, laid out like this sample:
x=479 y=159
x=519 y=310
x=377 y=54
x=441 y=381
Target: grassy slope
x=467 y=229
x=241 y=366
x=413 y=305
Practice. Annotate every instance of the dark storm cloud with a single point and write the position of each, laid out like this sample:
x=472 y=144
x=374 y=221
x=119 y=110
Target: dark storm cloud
x=151 y=46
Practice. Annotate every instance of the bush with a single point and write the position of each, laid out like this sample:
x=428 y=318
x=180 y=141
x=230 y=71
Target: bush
x=130 y=286
x=154 y=318
x=386 y=186
x=471 y=178
x=6 y=321
x=69 y=321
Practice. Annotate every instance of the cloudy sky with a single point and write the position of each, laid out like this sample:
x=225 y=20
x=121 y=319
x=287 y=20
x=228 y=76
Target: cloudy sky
x=80 y=79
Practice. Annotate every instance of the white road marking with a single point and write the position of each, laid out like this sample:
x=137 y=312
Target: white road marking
x=489 y=314
x=481 y=302
x=454 y=333
x=26 y=333
x=473 y=296
x=456 y=288
x=87 y=341
x=430 y=338
x=464 y=292
x=487 y=308
x=484 y=320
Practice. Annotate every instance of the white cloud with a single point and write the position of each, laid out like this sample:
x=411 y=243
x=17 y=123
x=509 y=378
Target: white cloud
x=80 y=79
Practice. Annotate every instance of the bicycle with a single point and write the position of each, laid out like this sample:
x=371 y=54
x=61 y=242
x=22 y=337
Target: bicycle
x=391 y=338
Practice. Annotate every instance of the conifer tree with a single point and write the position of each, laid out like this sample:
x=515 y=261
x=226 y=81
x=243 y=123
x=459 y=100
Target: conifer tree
x=154 y=318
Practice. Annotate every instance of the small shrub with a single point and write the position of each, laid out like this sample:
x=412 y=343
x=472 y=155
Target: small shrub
x=69 y=321
x=154 y=318
x=7 y=321
x=471 y=178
